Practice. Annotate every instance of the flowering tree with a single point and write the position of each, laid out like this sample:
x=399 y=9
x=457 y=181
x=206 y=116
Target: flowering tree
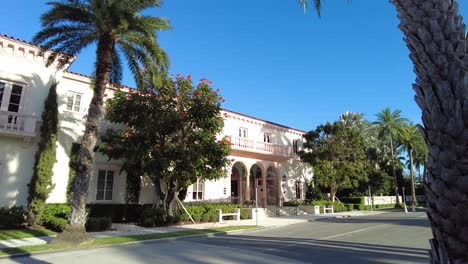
x=170 y=133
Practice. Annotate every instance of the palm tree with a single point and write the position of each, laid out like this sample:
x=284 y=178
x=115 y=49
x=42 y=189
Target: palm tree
x=389 y=125
x=117 y=28
x=420 y=160
x=436 y=37
x=411 y=141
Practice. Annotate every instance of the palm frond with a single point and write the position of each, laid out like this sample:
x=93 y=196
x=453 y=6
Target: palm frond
x=317 y=5
x=66 y=12
x=116 y=72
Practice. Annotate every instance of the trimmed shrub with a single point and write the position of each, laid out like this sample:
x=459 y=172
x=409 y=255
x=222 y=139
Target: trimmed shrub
x=72 y=167
x=207 y=212
x=353 y=200
x=147 y=222
x=294 y=203
x=339 y=207
x=173 y=219
x=350 y=207
x=119 y=213
x=153 y=217
x=243 y=214
x=12 y=216
x=55 y=216
x=41 y=183
x=55 y=224
x=94 y=224
x=55 y=211
x=313 y=193
x=205 y=217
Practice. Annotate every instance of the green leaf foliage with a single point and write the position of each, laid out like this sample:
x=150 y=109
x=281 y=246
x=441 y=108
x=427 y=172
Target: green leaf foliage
x=41 y=182
x=336 y=152
x=172 y=132
x=118 y=26
x=72 y=167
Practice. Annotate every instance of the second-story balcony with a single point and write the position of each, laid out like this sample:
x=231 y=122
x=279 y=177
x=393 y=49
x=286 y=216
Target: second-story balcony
x=17 y=125
x=258 y=148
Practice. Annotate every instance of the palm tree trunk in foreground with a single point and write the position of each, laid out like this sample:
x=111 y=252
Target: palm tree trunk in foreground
x=75 y=232
x=436 y=37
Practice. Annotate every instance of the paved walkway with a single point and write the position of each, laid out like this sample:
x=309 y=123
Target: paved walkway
x=129 y=230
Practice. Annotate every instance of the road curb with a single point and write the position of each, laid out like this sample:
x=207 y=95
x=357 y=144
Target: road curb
x=149 y=241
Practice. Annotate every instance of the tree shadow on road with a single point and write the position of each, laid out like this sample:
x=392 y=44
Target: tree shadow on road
x=323 y=251
x=21 y=256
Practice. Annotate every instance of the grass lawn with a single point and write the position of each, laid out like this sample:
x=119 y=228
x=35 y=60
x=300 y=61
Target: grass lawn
x=121 y=239
x=24 y=233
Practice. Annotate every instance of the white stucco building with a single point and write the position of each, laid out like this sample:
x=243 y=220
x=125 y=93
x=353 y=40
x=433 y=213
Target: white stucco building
x=263 y=156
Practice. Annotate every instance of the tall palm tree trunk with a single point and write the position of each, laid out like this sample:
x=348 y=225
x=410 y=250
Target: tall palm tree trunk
x=75 y=231
x=436 y=37
x=413 y=189
x=394 y=172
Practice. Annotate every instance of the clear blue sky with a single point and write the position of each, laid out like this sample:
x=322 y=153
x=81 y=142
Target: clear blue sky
x=271 y=60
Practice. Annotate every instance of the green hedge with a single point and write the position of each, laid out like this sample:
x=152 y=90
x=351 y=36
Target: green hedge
x=55 y=211
x=353 y=200
x=12 y=216
x=153 y=217
x=119 y=213
x=55 y=224
x=339 y=206
x=295 y=203
x=55 y=218
x=94 y=224
x=207 y=212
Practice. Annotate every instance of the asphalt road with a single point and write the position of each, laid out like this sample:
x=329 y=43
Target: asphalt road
x=386 y=238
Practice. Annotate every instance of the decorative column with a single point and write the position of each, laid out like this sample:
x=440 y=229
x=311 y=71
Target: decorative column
x=240 y=186
x=264 y=188
x=247 y=185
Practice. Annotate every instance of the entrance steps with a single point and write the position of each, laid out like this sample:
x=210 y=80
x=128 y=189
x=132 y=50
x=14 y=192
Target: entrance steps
x=273 y=211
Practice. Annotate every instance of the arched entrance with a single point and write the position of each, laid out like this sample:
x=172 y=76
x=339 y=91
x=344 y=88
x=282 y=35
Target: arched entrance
x=272 y=186
x=238 y=175
x=256 y=183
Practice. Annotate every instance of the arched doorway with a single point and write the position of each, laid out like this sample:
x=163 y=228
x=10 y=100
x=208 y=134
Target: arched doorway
x=256 y=183
x=272 y=186
x=238 y=177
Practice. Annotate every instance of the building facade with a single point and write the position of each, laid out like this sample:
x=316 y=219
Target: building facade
x=264 y=164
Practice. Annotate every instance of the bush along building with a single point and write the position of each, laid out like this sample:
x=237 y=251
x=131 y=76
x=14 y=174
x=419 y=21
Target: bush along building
x=264 y=166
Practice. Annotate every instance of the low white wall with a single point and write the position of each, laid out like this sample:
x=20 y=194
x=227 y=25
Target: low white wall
x=380 y=200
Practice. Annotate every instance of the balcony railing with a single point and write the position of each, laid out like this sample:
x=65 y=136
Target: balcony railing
x=15 y=124
x=258 y=146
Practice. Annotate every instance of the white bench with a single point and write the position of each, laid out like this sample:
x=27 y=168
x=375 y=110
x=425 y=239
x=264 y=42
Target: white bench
x=236 y=214
x=328 y=210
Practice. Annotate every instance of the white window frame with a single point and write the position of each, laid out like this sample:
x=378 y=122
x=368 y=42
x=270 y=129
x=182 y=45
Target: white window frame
x=114 y=183
x=196 y=186
x=243 y=132
x=296 y=146
x=6 y=97
x=298 y=190
x=73 y=105
x=267 y=138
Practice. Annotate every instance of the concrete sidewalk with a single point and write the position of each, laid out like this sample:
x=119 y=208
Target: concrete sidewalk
x=133 y=230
